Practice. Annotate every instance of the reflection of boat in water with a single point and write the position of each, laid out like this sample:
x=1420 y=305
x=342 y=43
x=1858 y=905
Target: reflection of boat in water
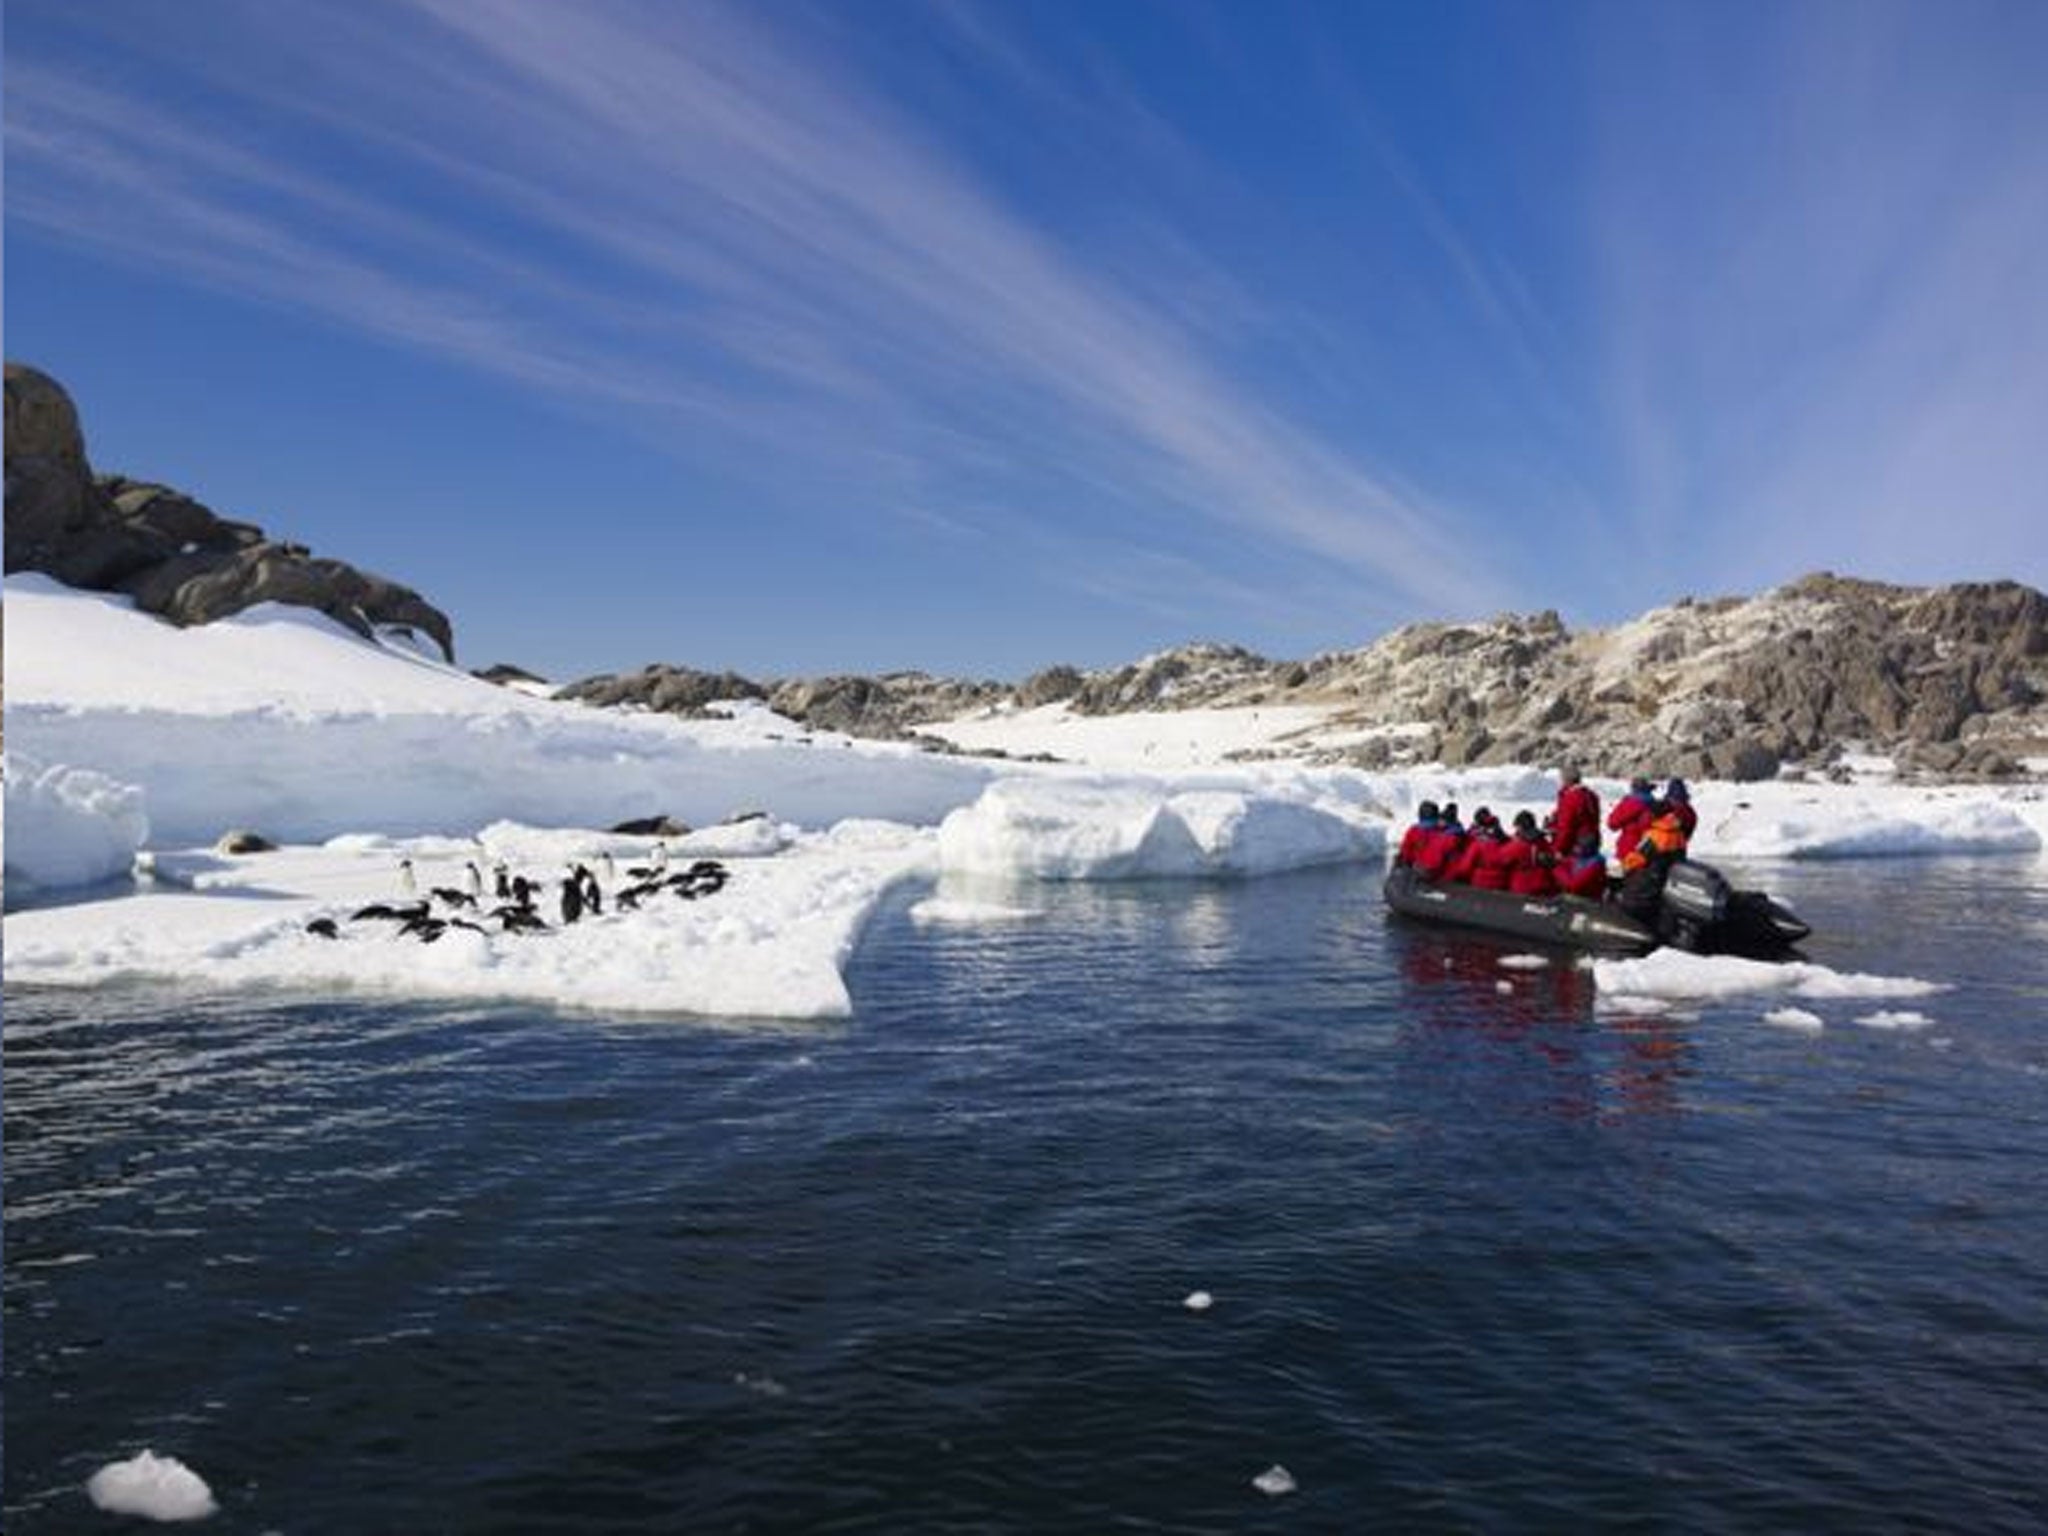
x=1697 y=909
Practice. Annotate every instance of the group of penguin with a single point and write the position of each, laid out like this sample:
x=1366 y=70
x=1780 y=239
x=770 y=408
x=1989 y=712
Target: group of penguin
x=516 y=910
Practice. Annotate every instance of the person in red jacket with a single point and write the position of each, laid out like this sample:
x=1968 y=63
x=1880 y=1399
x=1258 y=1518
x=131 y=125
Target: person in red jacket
x=1436 y=853
x=1528 y=859
x=1417 y=837
x=1485 y=861
x=1631 y=814
x=1585 y=872
x=1577 y=811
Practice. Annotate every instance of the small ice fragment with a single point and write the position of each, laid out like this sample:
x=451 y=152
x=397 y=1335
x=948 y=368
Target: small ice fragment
x=1274 y=1481
x=1795 y=1018
x=1896 y=1018
x=155 y=1487
x=1199 y=1301
x=1503 y=986
x=1524 y=963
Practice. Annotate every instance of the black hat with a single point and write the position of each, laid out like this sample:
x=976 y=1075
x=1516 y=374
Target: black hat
x=1426 y=811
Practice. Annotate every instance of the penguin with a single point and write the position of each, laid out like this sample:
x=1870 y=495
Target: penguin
x=604 y=863
x=660 y=854
x=522 y=920
x=503 y=879
x=426 y=928
x=378 y=909
x=406 y=883
x=572 y=899
x=452 y=897
x=473 y=878
x=593 y=898
x=522 y=891
x=324 y=927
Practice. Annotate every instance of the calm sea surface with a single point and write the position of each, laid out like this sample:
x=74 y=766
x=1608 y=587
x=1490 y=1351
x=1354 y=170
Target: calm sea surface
x=1481 y=1260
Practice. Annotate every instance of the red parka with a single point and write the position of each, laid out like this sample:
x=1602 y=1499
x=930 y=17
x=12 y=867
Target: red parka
x=1585 y=877
x=1630 y=815
x=1528 y=864
x=1439 y=851
x=1577 y=812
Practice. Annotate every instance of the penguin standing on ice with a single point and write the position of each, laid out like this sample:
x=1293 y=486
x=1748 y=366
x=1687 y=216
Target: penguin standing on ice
x=473 y=878
x=502 y=880
x=406 y=884
x=593 y=897
x=606 y=867
x=572 y=898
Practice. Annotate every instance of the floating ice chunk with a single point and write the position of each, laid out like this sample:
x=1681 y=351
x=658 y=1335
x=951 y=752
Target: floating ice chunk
x=1503 y=986
x=155 y=1487
x=1675 y=973
x=1895 y=1018
x=1795 y=1018
x=1199 y=1301
x=1127 y=831
x=1524 y=962
x=1275 y=1481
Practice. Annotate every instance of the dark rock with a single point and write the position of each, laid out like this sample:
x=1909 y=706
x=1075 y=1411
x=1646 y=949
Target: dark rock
x=503 y=672
x=241 y=840
x=652 y=826
x=1052 y=686
x=173 y=555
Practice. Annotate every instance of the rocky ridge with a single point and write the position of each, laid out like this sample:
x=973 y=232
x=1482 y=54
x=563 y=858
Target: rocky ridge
x=1949 y=680
x=173 y=555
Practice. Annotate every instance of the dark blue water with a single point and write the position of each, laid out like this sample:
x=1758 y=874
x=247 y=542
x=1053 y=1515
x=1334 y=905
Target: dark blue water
x=1481 y=1261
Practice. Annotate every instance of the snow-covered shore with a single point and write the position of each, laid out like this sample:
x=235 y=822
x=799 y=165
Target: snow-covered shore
x=132 y=742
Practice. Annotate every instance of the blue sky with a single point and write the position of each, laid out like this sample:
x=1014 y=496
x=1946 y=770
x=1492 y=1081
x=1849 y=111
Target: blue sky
x=976 y=337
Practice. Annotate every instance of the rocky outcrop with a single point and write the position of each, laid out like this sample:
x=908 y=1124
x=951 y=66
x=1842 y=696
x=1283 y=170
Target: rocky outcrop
x=1949 y=680
x=173 y=555
x=671 y=690
x=884 y=708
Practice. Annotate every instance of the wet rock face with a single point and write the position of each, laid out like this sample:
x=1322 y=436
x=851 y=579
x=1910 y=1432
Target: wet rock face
x=172 y=554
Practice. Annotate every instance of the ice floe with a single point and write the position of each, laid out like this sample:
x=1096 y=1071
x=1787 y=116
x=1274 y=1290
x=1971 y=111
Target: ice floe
x=1066 y=830
x=152 y=1486
x=1673 y=973
x=1796 y=1018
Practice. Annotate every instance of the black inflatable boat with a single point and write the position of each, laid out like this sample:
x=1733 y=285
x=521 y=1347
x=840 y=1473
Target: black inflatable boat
x=1697 y=909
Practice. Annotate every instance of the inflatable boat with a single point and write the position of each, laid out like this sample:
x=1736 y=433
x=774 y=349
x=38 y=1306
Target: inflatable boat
x=1697 y=910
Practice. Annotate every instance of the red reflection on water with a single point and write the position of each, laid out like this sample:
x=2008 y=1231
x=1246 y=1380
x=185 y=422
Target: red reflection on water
x=1632 y=1065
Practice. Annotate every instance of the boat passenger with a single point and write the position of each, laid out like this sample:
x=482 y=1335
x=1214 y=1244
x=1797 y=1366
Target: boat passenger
x=1631 y=814
x=1413 y=840
x=1440 y=850
x=1679 y=799
x=1584 y=873
x=1664 y=840
x=1485 y=862
x=1528 y=859
x=1577 y=811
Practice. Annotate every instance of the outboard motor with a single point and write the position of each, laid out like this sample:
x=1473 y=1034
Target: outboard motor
x=1696 y=898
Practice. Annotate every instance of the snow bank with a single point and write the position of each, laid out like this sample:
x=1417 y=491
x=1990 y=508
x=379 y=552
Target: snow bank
x=155 y=1487
x=1855 y=826
x=69 y=826
x=282 y=721
x=1675 y=974
x=1051 y=830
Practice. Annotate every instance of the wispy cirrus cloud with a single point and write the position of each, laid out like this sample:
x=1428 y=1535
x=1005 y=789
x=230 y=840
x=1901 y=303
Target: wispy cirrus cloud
x=1825 y=302
x=696 y=218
